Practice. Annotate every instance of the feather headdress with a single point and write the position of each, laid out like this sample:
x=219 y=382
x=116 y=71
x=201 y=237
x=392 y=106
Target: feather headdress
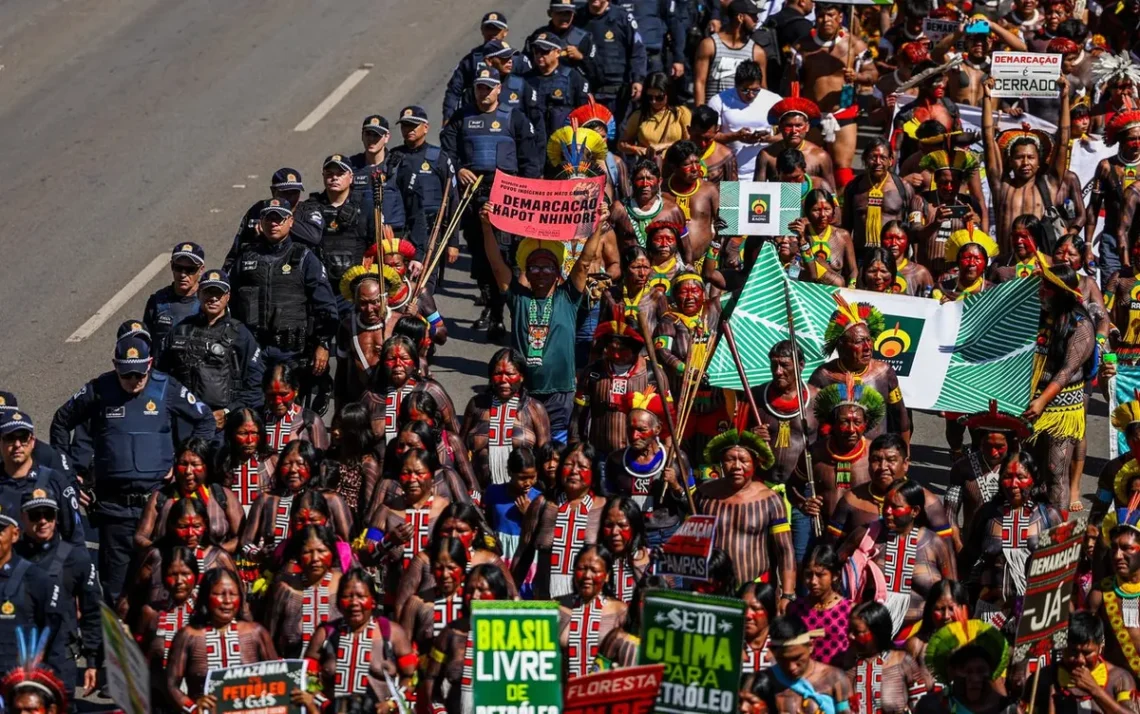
x=850 y=393
x=954 y=637
x=30 y=672
x=848 y=316
x=575 y=150
x=740 y=436
x=1110 y=68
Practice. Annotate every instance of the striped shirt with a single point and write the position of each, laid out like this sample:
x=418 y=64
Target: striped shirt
x=750 y=522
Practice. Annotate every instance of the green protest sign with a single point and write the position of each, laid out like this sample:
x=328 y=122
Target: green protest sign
x=518 y=662
x=699 y=639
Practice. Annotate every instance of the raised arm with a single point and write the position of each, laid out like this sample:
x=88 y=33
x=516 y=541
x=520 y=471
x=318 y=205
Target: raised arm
x=989 y=142
x=499 y=268
x=1061 y=157
x=581 y=269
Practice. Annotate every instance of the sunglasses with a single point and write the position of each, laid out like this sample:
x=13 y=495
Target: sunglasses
x=655 y=97
x=183 y=268
x=541 y=269
x=750 y=92
x=41 y=514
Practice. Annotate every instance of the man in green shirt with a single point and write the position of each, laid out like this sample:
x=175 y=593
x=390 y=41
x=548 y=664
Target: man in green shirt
x=544 y=313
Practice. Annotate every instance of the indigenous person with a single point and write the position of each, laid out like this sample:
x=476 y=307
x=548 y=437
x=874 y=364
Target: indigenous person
x=590 y=611
x=946 y=209
x=1026 y=260
x=286 y=420
x=397 y=379
x=1115 y=476
x=160 y=622
x=851 y=333
x=1083 y=680
x=801 y=683
x=877 y=197
x=351 y=467
x=505 y=505
x=883 y=677
x=970 y=656
x=1110 y=184
x=969 y=252
x=759 y=609
x=632 y=216
x=828 y=243
x=753 y=528
x=424 y=618
x=718 y=163
x=948 y=601
x=698 y=200
x=824 y=608
x=301 y=603
x=911 y=277
x=780 y=405
x=623 y=535
x=634 y=294
x=878 y=272
x=502 y=419
x=794 y=116
x=245 y=462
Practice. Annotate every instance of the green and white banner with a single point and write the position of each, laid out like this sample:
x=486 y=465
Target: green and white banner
x=759 y=208
x=954 y=356
x=699 y=639
x=518 y=662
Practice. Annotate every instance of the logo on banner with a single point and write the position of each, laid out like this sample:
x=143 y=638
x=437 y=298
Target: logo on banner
x=759 y=207
x=898 y=345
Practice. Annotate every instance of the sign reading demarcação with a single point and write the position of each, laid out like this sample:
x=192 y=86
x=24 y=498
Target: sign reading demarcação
x=518 y=662
x=699 y=639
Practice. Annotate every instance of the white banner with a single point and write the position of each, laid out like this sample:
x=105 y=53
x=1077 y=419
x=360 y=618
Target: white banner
x=1025 y=75
x=1085 y=156
x=935 y=30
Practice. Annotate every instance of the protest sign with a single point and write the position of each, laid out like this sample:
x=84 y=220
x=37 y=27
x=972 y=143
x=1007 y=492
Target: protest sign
x=1122 y=389
x=1048 y=588
x=631 y=690
x=518 y=661
x=258 y=688
x=546 y=210
x=128 y=675
x=687 y=551
x=699 y=638
x=1025 y=75
x=955 y=356
x=935 y=30
x=759 y=208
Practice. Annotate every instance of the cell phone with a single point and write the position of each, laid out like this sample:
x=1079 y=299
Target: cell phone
x=959 y=211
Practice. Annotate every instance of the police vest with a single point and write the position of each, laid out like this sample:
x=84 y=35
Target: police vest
x=15 y=609
x=609 y=39
x=514 y=92
x=574 y=36
x=650 y=24
x=204 y=359
x=488 y=142
x=169 y=314
x=131 y=433
x=391 y=203
x=270 y=294
x=345 y=238
x=428 y=185
x=555 y=89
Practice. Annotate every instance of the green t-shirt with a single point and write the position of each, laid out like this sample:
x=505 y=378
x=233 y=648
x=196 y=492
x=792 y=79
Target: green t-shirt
x=556 y=372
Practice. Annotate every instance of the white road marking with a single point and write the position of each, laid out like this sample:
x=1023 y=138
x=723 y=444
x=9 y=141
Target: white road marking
x=120 y=298
x=239 y=185
x=332 y=100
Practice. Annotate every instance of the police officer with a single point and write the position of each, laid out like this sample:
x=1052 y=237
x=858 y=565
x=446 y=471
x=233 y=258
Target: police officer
x=620 y=55
x=374 y=134
x=21 y=474
x=483 y=137
x=578 y=45
x=42 y=453
x=459 y=86
x=70 y=568
x=137 y=415
x=214 y=355
x=516 y=92
x=28 y=599
x=282 y=294
x=348 y=223
x=172 y=303
x=560 y=89
x=307 y=227
x=424 y=173
x=658 y=22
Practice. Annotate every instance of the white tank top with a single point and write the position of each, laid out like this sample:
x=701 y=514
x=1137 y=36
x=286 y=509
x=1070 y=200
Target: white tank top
x=722 y=69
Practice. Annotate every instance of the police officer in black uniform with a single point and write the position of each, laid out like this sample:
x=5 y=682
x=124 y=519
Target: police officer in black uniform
x=20 y=474
x=137 y=415
x=560 y=89
x=348 y=224
x=28 y=599
x=459 y=86
x=308 y=224
x=516 y=92
x=620 y=56
x=663 y=25
x=70 y=568
x=42 y=452
x=173 y=303
x=424 y=173
x=374 y=134
x=578 y=51
x=215 y=355
x=483 y=137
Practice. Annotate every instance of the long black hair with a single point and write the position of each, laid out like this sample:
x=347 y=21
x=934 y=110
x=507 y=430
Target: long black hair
x=636 y=518
x=509 y=354
x=658 y=81
x=356 y=437
x=877 y=254
x=878 y=620
x=324 y=534
x=1065 y=311
x=958 y=593
x=201 y=616
x=380 y=376
x=229 y=457
x=308 y=454
x=186 y=507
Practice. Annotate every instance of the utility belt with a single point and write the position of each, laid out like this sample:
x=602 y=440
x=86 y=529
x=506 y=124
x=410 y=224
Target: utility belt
x=133 y=498
x=295 y=339
x=611 y=90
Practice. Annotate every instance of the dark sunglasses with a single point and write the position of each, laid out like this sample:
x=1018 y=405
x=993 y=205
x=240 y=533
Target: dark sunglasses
x=655 y=97
x=183 y=268
x=41 y=514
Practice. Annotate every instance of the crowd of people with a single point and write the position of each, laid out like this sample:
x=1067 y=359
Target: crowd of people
x=271 y=471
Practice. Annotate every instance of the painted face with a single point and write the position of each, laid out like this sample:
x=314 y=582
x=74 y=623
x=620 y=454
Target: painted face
x=280 y=397
x=947 y=183
x=406 y=441
x=369 y=303
x=860 y=635
x=646 y=186
x=820 y=214
x=189 y=472
x=1068 y=253
x=755 y=616
x=887 y=466
x=878 y=161
x=794 y=127
x=737 y=465
x=1130 y=145
x=664 y=243
x=643 y=430
x=448 y=574
x=637 y=274
x=576 y=473
x=189 y=530
x=590 y=575
x=316 y=559
x=356 y=603
x=618 y=351
x=936 y=88
x=1016 y=482
x=248 y=438
x=416 y=478
x=1087 y=655
x=690 y=297
x=1025 y=245
x=477 y=589
x=1081 y=124
x=945 y=610
x=179 y=580
x=971 y=264
x=850 y=426
x=616 y=531
x=30 y=702
x=459 y=529
x=897 y=513
x=505 y=380
x=783 y=372
x=877 y=277
x=308 y=517
x=1126 y=553
x=294 y=471
x=897 y=242
x=398 y=364
x=856 y=348
x=994 y=447
x=224 y=600
x=690 y=168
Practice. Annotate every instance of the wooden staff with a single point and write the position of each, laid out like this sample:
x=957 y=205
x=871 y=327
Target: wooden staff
x=683 y=405
x=427 y=254
x=378 y=228
x=431 y=259
x=663 y=385
x=816 y=527
x=727 y=328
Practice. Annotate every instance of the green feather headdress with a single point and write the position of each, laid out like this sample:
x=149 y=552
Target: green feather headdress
x=725 y=440
x=969 y=633
x=850 y=393
x=848 y=316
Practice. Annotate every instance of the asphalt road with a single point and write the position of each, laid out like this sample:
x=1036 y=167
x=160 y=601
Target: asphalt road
x=131 y=125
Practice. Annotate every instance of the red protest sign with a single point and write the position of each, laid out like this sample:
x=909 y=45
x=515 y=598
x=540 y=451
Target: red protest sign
x=547 y=210
x=1050 y=573
x=631 y=690
x=687 y=551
